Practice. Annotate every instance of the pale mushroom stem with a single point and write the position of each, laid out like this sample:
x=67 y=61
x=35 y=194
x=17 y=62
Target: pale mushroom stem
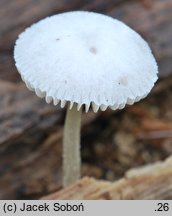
x=71 y=146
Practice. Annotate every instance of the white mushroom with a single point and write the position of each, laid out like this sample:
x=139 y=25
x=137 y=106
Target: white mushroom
x=84 y=58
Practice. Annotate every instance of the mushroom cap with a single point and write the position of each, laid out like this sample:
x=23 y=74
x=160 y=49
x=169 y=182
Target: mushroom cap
x=85 y=58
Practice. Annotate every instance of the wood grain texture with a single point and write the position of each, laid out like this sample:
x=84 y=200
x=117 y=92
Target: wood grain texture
x=31 y=130
x=21 y=111
x=30 y=143
x=29 y=136
x=150 y=182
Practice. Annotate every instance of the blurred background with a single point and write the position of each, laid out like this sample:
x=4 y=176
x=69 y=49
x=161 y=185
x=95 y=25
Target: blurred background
x=112 y=142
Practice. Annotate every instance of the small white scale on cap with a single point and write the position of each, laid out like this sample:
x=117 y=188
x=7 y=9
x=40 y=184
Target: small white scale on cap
x=85 y=58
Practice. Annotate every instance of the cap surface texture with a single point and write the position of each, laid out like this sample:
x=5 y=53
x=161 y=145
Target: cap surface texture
x=85 y=58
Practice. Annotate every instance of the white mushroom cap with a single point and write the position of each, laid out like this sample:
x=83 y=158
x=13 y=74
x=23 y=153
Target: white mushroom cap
x=85 y=58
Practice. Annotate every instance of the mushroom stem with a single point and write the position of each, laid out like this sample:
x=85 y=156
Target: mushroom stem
x=71 y=146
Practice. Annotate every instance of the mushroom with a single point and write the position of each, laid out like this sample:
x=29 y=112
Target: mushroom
x=84 y=59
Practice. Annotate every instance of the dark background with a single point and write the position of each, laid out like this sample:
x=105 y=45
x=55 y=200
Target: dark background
x=112 y=142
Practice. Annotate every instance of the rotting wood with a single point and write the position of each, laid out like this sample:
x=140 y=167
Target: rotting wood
x=27 y=124
x=149 y=182
x=30 y=142
x=31 y=130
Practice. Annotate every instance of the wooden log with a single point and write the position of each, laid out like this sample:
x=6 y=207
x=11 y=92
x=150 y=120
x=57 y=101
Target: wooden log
x=31 y=130
x=21 y=110
x=30 y=143
x=149 y=182
x=30 y=134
